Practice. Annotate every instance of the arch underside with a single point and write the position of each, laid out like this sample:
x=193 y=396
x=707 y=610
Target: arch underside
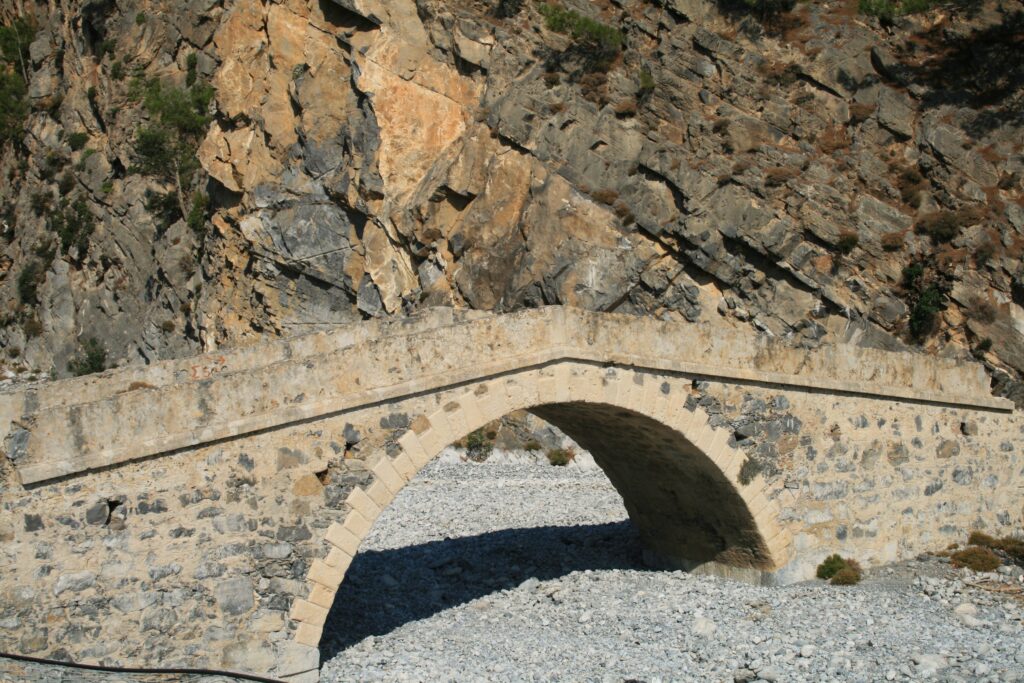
x=686 y=512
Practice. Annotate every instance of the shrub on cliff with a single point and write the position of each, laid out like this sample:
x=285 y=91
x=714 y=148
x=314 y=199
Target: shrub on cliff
x=601 y=42
x=14 y=41
x=91 y=358
x=166 y=147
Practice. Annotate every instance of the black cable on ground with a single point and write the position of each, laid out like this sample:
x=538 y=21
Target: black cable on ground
x=129 y=670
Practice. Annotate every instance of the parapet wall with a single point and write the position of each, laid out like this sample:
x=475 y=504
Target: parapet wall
x=78 y=425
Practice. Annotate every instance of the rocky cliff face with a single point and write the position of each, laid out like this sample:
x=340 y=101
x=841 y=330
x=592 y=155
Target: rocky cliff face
x=822 y=178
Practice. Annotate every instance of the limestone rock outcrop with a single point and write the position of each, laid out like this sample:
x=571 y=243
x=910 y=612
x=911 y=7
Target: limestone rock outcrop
x=368 y=158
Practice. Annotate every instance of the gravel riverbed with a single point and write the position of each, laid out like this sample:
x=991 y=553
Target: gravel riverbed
x=511 y=571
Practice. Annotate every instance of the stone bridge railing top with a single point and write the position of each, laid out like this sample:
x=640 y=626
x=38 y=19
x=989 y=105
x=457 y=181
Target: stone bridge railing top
x=63 y=428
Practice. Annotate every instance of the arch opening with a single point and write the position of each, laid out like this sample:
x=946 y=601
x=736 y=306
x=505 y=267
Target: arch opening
x=689 y=515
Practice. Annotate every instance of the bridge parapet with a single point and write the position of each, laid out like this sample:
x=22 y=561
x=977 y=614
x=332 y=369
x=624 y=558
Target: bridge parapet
x=79 y=425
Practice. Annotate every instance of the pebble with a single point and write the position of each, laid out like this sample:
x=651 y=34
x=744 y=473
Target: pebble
x=518 y=571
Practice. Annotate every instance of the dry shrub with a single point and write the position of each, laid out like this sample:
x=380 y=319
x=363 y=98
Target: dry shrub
x=626 y=108
x=605 y=196
x=845 y=577
x=1012 y=547
x=976 y=558
x=780 y=175
x=910 y=183
x=833 y=139
x=893 y=241
x=859 y=112
x=556 y=107
x=847 y=242
x=779 y=73
x=984 y=311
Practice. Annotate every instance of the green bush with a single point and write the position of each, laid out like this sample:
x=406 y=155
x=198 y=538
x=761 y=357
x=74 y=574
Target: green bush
x=647 y=85
x=191 y=64
x=197 y=215
x=74 y=225
x=479 y=445
x=15 y=39
x=166 y=147
x=830 y=566
x=77 y=140
x=140 y=18
x=117 y=70
x=91 y=358
x=13 y=105
x=923 y=314
x=560 y=457
x=29 y=279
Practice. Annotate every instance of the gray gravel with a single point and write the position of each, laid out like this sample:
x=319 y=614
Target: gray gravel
x=510 y=571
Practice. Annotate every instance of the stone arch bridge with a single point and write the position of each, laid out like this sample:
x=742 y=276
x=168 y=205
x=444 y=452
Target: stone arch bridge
x=203 y=512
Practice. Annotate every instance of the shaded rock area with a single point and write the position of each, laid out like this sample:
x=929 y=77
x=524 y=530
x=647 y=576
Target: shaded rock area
x=370 y=158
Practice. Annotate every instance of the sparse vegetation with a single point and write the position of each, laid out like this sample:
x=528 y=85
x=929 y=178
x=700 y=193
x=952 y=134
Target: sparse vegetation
x=601 y=43
x=166 y=148
x=479 y=445
x=90 y=358
x=847 y=242
x=945 y=226
x=29 y=279
x=74 y=225
x=889 y=10
x=560 y=457
x=14 y=41
x=925 y=293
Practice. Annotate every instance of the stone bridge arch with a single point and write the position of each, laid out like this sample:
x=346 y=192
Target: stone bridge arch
x=679 y=477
